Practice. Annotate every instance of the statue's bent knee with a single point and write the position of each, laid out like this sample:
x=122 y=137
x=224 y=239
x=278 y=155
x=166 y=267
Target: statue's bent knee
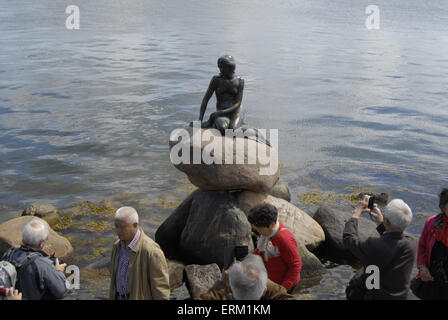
x=222 y=123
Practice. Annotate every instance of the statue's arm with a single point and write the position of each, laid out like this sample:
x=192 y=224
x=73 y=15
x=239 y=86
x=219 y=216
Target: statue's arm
x=207 y=96
x=237 y=104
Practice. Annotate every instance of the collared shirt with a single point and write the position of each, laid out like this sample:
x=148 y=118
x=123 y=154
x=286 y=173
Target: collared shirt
x=122 y=276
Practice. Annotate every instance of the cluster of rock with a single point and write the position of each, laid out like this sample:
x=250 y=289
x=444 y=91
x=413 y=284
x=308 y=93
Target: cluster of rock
x=214 y=217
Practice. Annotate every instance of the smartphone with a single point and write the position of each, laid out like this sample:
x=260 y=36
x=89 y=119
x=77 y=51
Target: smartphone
x=372 y=200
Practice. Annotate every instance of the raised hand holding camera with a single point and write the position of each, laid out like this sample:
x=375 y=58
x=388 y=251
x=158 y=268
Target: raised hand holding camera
x=376 y=214
x=361 y=207
x=368 y=204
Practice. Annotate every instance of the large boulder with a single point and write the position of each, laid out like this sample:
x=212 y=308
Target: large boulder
x=169 y=232
x=303 y=227
x=46 y=212
x=214 y=223
x=253 y=166
x=200 y=278
x=11 y=236
x=332 y=221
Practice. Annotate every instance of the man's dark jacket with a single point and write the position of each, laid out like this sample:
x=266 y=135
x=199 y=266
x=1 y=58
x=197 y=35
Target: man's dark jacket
x=393 y=252
x=41 y=281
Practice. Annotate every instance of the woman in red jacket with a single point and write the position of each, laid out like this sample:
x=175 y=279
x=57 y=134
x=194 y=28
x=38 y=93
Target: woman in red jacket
x=432 y=257
x=277 y=246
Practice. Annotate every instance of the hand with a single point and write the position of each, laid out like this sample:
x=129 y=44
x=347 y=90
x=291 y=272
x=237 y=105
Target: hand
x=425 y=275
x=13 y=294
x=361 y=207
x=376 y=214
x=60 y=267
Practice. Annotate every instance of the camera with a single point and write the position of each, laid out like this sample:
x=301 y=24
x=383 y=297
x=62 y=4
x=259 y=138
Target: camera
x=53 y=258
x=380 y=199
x=372 y=201
x=230 y=253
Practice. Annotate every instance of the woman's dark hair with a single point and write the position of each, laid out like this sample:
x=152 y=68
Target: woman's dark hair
x=263 y=215
x=443 y=199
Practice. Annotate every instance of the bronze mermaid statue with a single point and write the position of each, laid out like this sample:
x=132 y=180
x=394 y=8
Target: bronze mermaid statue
x=229 y=94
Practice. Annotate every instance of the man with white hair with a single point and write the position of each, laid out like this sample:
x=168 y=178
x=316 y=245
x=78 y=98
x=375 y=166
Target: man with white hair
x=38 y=277
x=393 y=253
x=139 y=268
x=246 y=280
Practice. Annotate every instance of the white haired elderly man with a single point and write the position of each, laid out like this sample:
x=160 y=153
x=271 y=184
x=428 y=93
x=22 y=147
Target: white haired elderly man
x=38 y=277
x=139 y=268
x=246 y=280
x=394 y=252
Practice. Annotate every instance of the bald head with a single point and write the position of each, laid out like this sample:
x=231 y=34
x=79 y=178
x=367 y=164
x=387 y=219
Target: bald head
x=127 y=214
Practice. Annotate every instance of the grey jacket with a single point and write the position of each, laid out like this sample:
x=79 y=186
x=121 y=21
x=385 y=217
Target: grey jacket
x=393 y=252
x=48 y=283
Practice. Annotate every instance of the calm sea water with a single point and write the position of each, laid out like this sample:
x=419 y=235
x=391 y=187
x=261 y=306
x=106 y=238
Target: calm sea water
x=86 y=114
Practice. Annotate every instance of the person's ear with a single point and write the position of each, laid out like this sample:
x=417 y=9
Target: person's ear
x=42 y=244
x=386 y=223
x=135 y=224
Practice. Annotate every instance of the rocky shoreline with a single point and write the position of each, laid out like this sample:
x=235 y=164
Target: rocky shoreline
x=196 y=234
x=319 y=238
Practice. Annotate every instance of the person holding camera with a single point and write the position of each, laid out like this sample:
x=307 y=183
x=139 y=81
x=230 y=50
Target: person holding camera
x=394 y=252
x=277 y=246
x=432 y=258
x=38 y=276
